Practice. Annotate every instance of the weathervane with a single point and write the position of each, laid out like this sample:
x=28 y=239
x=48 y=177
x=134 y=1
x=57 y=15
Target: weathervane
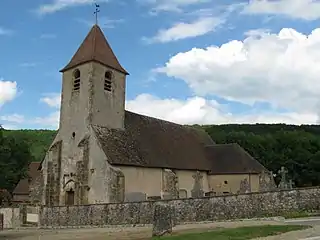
x=96 y=12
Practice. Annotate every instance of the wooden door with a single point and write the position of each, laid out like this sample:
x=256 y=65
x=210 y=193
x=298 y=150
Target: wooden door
x=70 y=198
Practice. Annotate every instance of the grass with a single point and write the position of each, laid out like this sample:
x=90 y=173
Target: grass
x=300 y=214
x=242 y=233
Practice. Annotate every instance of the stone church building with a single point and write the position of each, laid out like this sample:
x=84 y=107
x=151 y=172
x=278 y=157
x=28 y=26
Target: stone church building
x=103 y=153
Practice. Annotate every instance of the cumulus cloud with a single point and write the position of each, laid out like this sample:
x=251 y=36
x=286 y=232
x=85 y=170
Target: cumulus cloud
x=14 y=118
x=198 y=110
x=104 y=22
x=170 y=5
x=301 y=9
x=4 y=31
x=50 y=121
x=58 y=5
x=8 y=91
x=281 y=69
x=183 y=30
x=52 y=100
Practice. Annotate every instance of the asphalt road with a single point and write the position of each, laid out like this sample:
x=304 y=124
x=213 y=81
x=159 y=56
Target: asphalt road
x=311 y=221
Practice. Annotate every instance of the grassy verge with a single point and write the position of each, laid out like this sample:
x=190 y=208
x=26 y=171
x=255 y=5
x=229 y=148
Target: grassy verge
x=301 y=214
x=242 y=233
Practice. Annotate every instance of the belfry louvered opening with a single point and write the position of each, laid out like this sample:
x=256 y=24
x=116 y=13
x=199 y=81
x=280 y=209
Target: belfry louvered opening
x=108 y=81
x=76 y=80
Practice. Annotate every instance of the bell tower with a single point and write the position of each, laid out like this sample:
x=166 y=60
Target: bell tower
x=93 y=89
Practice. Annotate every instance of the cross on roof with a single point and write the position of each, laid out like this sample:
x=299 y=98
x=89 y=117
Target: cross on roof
x=96 y=12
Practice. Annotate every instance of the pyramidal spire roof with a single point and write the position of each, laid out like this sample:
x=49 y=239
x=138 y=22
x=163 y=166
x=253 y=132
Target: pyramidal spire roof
x=95 y=47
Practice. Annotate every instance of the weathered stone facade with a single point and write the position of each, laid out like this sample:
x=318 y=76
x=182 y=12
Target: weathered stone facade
x=116 y=186
x=36 y=190
x=186 y=210
x=52 y=191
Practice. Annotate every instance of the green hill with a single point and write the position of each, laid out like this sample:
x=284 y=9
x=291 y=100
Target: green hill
x=38 y=140
x=274 y=145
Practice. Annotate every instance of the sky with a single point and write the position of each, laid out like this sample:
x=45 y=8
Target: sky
x=190 y=61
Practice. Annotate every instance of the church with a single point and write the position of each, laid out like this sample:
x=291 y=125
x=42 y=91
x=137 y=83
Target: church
x=105 y=154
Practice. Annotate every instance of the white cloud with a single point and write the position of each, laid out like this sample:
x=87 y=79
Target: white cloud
x=301 y=9
x=104 y=22
x=14 y=118
x=183 y=30
x=198 y=110
x=52 y=100
x=4 y=31
x=8 y=91
x=58 y=5
x=28 y=64
x=282 y=69
x=51 y=121
x=171 y=5
x=48 y=36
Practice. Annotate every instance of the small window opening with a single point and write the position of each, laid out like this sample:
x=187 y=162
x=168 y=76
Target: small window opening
x=107 y=81
x=76 y=80
x=73 y=134
x=225 y=182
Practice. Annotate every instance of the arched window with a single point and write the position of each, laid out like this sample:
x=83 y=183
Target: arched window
x=76 y=80
x=107 y=81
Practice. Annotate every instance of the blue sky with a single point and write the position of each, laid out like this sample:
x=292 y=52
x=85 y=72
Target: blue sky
x=190 y=61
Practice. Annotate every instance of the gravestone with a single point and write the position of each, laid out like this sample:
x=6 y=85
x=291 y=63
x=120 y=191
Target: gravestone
x=284 y=184
x=170 y=184
x=244 y=186
x=163 y=219
x=266 y=182
x=135 y=197
x=197 y=191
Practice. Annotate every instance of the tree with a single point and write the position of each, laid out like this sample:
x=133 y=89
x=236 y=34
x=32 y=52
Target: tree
x=15 y=157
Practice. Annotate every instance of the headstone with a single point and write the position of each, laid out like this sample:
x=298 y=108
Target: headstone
x=244 y=186
x=163 y=219
x=135 y=197
x=197 y=191
x=170 y=184
x=154 y=198
x=284 y=184
x=183 y=193
x=266 y=182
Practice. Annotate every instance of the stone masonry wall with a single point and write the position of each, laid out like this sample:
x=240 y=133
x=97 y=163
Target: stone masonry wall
x=186 y=210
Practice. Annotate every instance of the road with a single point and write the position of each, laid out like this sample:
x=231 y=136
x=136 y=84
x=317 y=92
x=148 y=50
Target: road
x=308 y=234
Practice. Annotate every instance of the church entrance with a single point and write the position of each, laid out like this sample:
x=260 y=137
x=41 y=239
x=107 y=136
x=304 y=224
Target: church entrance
x=70 y=198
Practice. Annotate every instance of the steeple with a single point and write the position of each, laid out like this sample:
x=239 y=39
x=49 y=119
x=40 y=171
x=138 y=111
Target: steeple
x=95 y=47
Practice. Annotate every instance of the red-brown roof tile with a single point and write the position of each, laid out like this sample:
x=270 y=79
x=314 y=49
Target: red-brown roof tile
x=95 y=47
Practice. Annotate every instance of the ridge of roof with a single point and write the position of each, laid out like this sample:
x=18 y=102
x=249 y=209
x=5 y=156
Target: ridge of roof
x=95 y=47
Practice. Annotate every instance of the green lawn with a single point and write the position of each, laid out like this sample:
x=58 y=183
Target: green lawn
x=242 y=233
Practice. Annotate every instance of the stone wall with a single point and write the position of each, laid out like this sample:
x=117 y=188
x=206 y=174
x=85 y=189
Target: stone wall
x=186 y=210
x=11 y=217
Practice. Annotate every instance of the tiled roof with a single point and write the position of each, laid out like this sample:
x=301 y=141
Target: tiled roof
x=151 y=142
x=95 y=47
x=23 y=185
x=232 y=159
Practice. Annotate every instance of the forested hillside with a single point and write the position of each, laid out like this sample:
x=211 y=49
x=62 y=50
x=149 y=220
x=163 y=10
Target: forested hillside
x=37 y=140
x=295 y=147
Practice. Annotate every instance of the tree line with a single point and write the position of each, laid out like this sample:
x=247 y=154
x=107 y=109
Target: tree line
x=274 y=145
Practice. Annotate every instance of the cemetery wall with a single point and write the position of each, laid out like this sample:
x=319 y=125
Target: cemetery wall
x=249 y=205
x=11 y=217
